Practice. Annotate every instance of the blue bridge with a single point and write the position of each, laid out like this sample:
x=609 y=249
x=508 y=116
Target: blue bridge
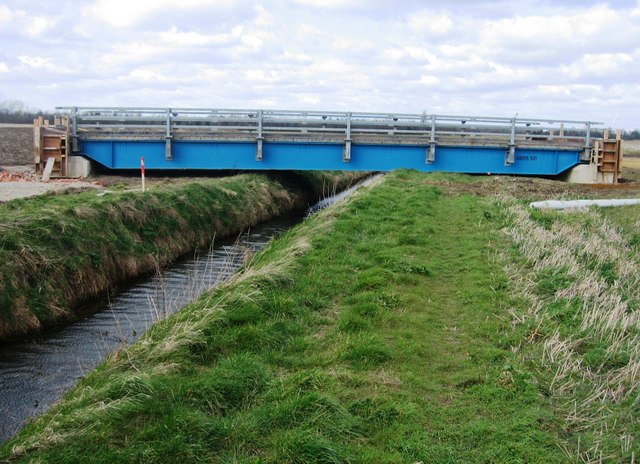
x=174 y=138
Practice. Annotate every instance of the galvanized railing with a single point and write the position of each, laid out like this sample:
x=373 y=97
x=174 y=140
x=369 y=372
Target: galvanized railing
x=425 y=129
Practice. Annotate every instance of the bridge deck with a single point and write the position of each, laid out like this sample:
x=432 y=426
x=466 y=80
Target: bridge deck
x=261 y=139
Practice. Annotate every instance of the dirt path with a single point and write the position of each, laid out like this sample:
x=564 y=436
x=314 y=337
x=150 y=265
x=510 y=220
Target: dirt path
x=21 y=182
x=24 y=189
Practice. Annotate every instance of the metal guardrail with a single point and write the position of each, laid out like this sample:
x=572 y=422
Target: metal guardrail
x=431 y=130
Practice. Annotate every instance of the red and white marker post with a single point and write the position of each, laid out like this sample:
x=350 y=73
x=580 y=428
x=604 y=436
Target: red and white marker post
x=142 y=171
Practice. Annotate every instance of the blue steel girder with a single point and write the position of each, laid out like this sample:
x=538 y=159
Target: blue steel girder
x=203 y=155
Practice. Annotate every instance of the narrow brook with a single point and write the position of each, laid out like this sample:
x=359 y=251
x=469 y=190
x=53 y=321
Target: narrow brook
x=37 y=373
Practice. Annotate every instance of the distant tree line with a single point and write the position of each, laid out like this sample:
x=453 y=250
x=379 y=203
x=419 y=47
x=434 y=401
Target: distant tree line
x=16 y=112
x=633 y=134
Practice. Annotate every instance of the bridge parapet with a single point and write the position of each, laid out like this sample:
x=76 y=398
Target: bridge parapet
x=319 y=126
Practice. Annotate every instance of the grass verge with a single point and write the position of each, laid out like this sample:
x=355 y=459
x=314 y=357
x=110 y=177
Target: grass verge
x=58 y=251
x=374 y=332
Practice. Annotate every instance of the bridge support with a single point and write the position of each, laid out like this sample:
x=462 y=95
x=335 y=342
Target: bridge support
x=168 y=149
x=259 y=141
x=346 y=156
x=431 y=154
x=259 y=138
x=510 y=156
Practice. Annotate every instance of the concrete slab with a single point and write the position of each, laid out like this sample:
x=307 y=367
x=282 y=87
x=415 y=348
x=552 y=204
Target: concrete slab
x=581 y=174
x=79 y=166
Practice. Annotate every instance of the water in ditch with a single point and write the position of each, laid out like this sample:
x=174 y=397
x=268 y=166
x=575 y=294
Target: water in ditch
x=35 y=374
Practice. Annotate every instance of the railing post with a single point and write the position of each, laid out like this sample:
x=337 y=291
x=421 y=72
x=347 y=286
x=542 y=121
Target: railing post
x=168 y=149
x=259 y=138
x=431 y=154
x=511 y=154
x=586 y=155
x=74 y=130
x=346 y=157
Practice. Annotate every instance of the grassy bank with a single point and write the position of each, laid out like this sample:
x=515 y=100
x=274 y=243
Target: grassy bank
x=58 y=251
x=378 y=331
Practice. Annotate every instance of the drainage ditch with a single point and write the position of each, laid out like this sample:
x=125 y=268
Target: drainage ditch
x=35 y=374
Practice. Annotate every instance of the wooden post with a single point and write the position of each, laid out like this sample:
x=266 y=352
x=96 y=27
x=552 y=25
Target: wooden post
x=620 y=152
x=48 y=169
x=595 y=161
x=37 y=145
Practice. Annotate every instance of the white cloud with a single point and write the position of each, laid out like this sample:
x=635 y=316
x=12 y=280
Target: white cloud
x=5 y=14
x=349 y=44
x=120 y=13
x=126 y=13
x=179 y=39
x=428 y=81
x=37 y=26
x=37 y=62
x=3 y=67
x=251 y=43
x=413 y=53
x=569 y=33
x=259 y=76
x=431 y=24
x=568 y=90
x=21 y=22
x=601 y=65
x=332 y=4
x=146 y=75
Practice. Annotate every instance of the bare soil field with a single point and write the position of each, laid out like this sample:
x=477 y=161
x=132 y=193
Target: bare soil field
x=16 y=144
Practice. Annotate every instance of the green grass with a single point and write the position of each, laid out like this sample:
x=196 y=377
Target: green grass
x=377 y=331
x=60 y=250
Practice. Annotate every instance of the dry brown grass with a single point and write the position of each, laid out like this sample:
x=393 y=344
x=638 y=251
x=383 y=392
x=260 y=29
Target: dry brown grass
x=580 y=248
x=632 y=163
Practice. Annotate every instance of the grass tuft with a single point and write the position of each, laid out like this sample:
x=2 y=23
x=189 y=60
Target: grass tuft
x=366 y=351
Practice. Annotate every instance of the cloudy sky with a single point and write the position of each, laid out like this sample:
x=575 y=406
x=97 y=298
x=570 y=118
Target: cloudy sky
x=558 y=58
